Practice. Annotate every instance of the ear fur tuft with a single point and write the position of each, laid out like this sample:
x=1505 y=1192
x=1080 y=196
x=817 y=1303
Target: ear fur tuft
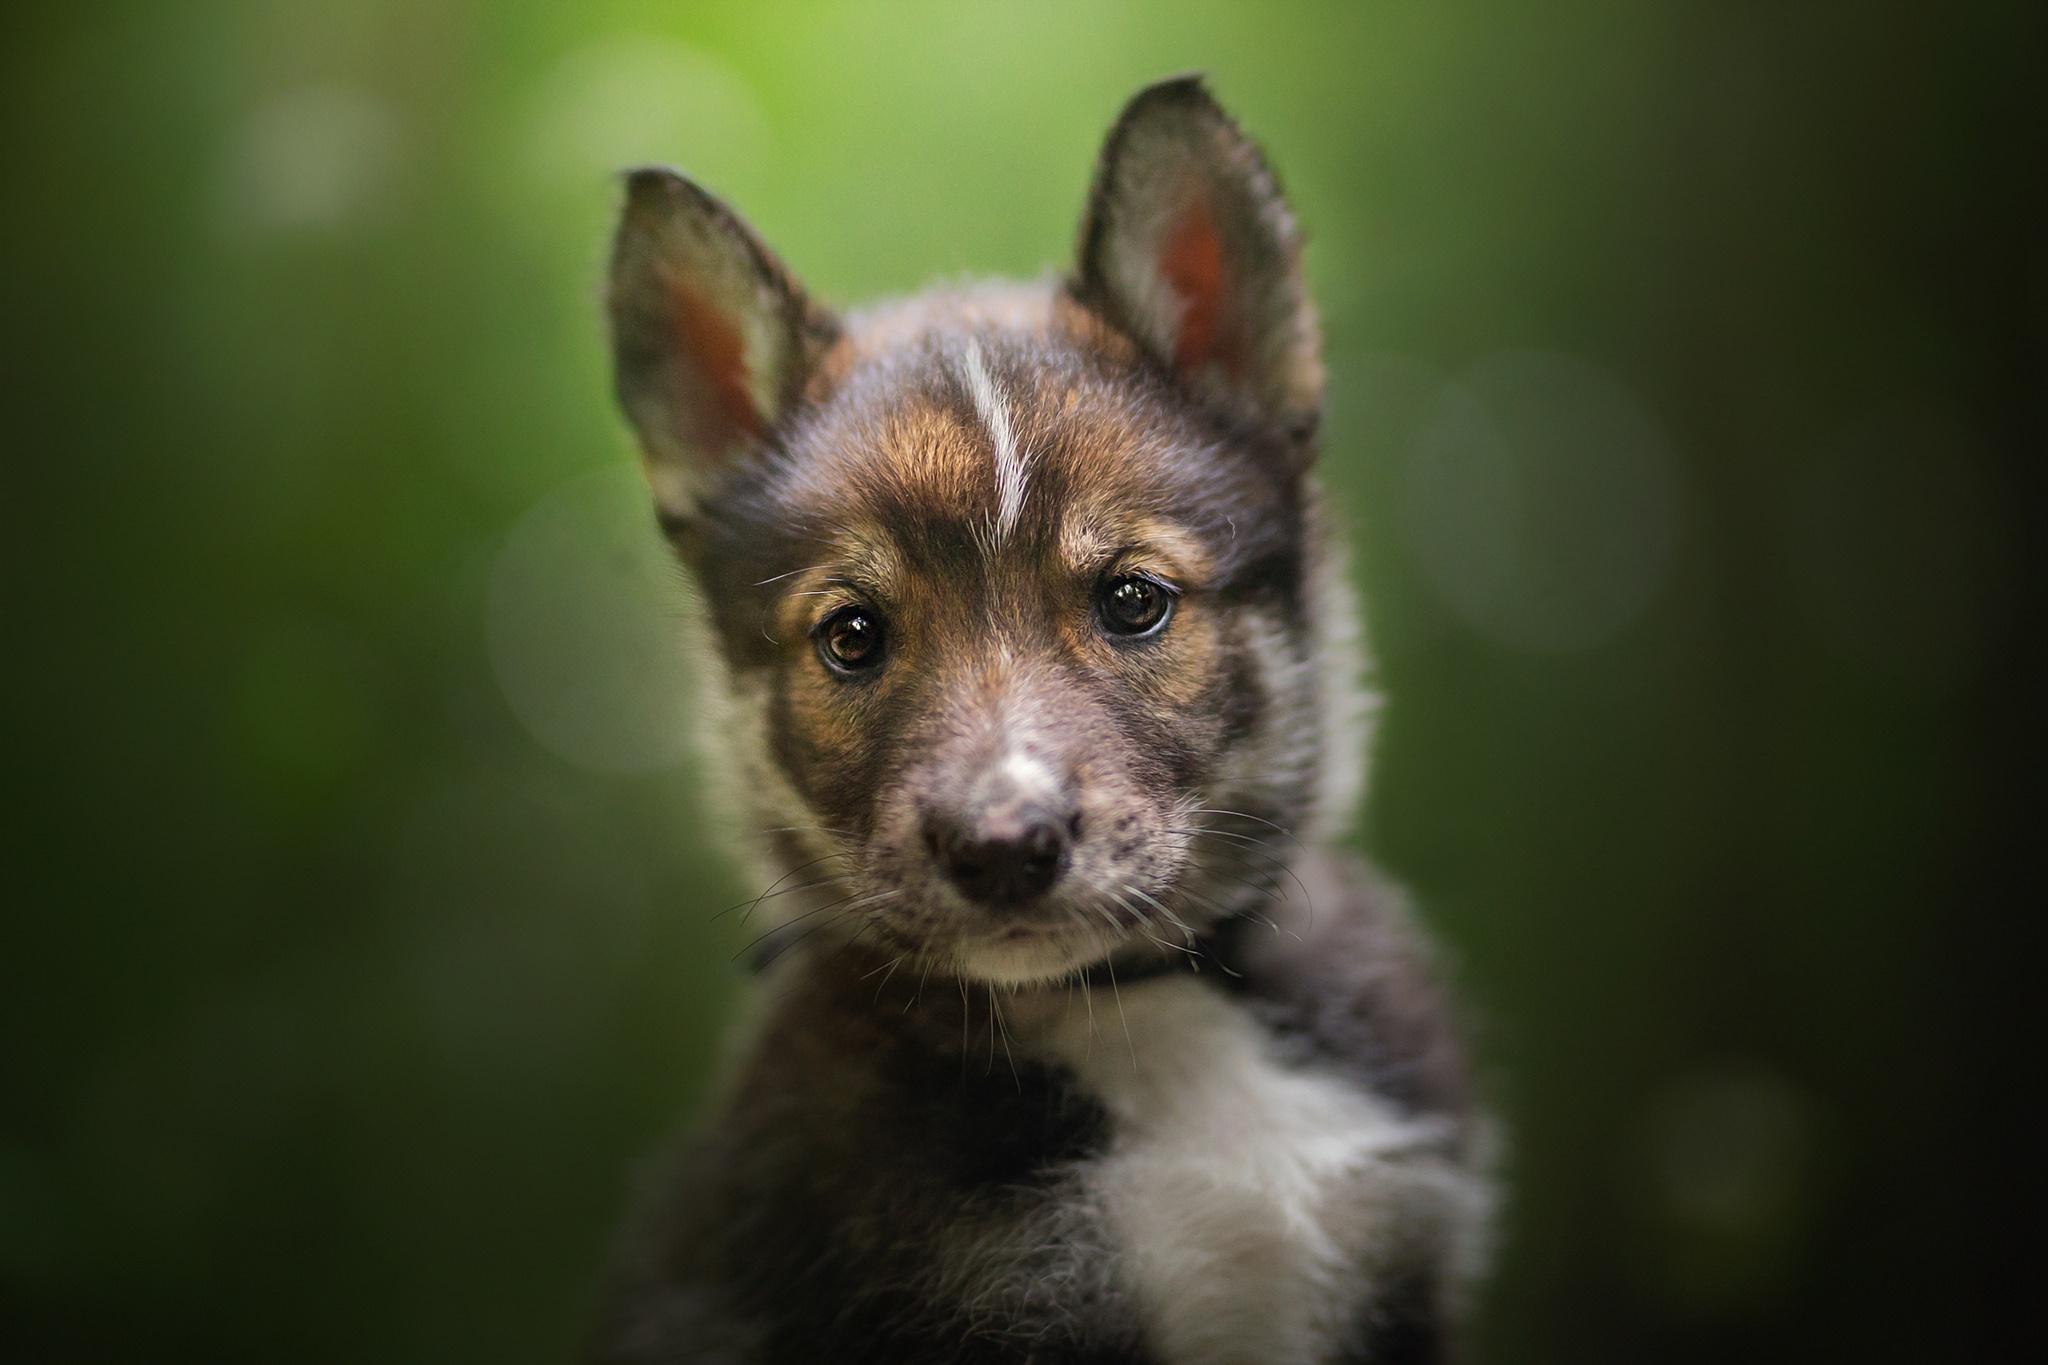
x=712 y=338
x=1190 y=249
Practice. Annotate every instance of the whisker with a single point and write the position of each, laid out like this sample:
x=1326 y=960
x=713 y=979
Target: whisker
x=1152 y=900
x=924 y=977
x=990 y=1069
x=1110 y=919
x=1138 y=917
x=867 y=923
x=1263 y=888
x=966 y=1014
x=1248 y=911
x=1088 y=998
x=859 y=904
x=1175 y=947
x=767 y=934
x=1113 y=990
x=1257 y=850
x=1207 y=903
x=996 y=1010
x=802 y=829
x=777 y=882
x=793 y=573
x=794 y=942
x=1217 y=834
x=766 y=896
x=1246 y=815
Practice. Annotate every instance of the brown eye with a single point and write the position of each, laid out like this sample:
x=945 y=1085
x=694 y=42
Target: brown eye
x=1132 y=604
x=850 y=640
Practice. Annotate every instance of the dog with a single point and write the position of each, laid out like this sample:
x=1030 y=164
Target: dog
x=1027 y=658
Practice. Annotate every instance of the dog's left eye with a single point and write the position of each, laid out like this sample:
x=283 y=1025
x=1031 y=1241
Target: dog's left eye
x=1134 y=604
x=850 y=639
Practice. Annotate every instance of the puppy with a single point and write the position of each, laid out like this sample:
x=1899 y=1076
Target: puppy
x=1027 y=659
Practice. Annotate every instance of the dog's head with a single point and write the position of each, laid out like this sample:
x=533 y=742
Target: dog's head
x=1015 y=589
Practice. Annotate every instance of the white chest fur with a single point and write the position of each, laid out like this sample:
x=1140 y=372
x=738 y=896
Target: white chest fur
x=1256 y=1201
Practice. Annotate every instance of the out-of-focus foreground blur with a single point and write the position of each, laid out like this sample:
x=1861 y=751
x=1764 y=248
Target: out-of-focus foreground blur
x=1685 y=384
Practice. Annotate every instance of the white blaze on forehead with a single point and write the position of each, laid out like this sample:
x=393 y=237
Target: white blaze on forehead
x=988 y=405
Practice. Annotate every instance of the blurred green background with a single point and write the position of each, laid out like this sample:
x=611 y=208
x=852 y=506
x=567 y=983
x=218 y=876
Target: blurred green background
x=1686 y=377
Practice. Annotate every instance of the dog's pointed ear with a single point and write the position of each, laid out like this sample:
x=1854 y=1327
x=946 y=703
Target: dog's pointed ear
x=712 y=339
x=1189 y=248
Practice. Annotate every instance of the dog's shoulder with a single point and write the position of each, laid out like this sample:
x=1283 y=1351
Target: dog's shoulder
x=1282 y=1142
x=1340 y=973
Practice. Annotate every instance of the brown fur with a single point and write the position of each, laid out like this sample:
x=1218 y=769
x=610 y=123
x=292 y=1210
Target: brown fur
x=900 y=1169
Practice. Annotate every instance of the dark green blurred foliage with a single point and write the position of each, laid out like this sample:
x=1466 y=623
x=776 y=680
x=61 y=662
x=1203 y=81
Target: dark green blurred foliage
x=1686 y=379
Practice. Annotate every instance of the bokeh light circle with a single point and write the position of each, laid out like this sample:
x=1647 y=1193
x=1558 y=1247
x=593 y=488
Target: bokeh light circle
x=1542 y=502
x=583 y=622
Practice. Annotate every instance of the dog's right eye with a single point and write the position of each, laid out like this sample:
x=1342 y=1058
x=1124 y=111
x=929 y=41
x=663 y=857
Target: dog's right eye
x=1135 y=604
x=850 y=640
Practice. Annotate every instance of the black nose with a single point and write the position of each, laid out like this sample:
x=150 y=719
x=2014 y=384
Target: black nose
x=1006 y=862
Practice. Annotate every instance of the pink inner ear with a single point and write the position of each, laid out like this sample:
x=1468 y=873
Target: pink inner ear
x=1194 y=268
x=709 y=343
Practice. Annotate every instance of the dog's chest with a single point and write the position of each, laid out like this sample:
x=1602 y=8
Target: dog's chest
x=1253 y=1201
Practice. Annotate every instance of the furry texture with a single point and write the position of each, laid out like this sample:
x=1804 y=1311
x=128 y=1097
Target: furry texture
x=1010 y=475
x=1028 y=665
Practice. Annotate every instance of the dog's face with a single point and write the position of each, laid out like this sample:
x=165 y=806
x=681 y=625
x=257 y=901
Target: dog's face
x=1013 y=588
